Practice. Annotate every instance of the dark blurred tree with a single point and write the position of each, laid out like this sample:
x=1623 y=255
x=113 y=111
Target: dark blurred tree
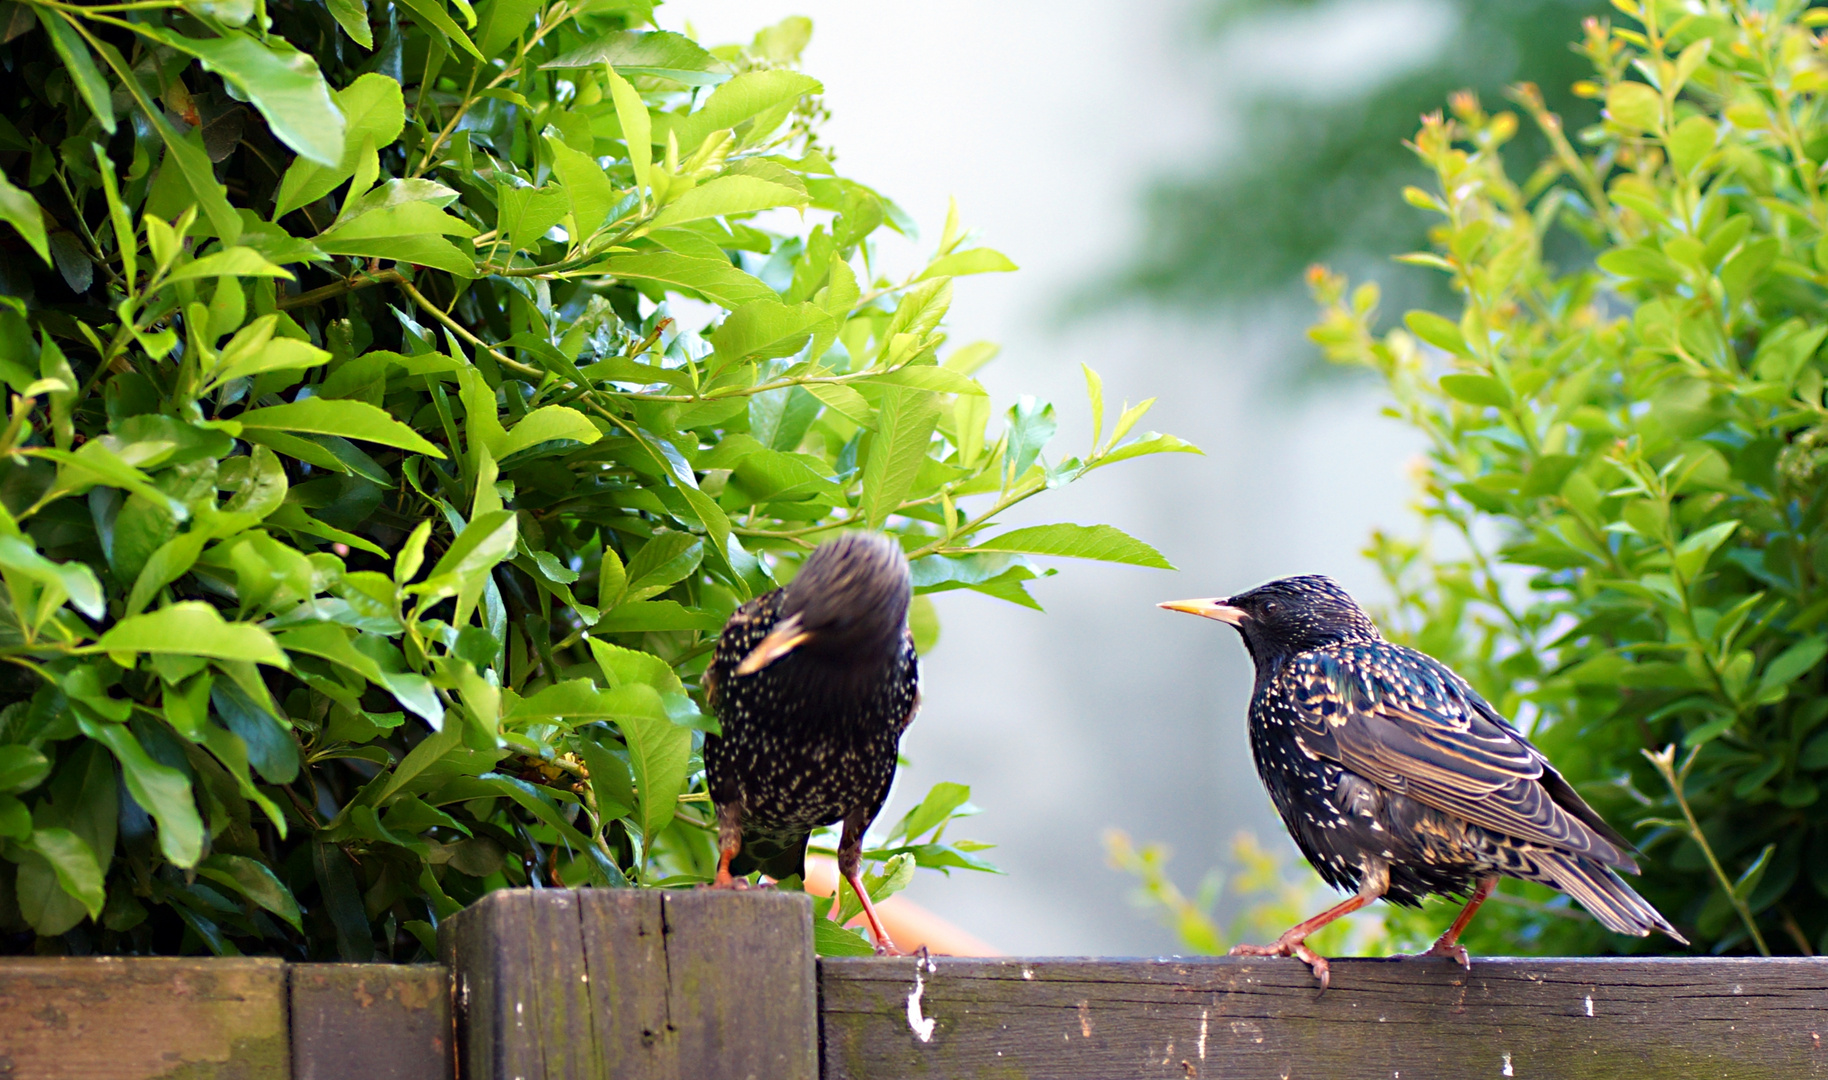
x=1318 y=177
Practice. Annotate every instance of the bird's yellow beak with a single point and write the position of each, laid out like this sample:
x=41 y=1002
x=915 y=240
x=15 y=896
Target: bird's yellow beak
x=1210 y=609
x=783 y=639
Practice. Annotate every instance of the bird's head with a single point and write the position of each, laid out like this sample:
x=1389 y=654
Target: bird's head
x=848 y=603
x=1286 y=617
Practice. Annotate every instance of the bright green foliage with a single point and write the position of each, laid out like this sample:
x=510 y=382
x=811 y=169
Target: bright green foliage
x=1630 y=460
x=402 y=398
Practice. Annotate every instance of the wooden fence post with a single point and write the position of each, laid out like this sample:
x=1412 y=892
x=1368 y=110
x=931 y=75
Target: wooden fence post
x=642 y=984
x=370 y=1022
x=137 y=1018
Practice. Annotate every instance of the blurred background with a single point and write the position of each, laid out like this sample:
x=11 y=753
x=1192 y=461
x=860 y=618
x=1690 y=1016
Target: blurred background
x=1162 y=172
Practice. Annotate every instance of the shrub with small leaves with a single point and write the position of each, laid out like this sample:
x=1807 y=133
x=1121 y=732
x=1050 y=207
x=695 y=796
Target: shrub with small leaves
x=1627 y=457
x=402 y=397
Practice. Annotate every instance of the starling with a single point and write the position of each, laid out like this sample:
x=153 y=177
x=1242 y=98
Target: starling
x=813 y=685
x=1398 y=780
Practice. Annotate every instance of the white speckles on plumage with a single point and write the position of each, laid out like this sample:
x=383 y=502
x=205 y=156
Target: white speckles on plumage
x=1368 y=746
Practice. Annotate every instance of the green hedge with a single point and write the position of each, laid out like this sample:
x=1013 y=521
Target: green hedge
x=1628 y=460
x=403 y=394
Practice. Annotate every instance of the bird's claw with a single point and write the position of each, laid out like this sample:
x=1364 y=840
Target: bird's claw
x=1452 y=950
x=725 y=880
x=1286 y=946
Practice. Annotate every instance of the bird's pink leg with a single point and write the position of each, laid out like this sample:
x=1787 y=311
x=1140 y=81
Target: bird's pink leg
x=1293 y=942
x=850 y=864
x=1448 y=944
x=729 y=843
x=884 y=946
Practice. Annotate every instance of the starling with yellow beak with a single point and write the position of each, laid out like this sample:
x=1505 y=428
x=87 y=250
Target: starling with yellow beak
x=813 y=685
x=1397 y=780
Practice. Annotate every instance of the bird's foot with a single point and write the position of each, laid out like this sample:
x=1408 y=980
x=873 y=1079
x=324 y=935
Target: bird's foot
x=1442 y=947
x=726 y=880
x=1291 y=946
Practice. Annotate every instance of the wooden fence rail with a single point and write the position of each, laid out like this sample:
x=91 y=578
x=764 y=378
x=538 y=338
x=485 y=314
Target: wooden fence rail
x=633 y=985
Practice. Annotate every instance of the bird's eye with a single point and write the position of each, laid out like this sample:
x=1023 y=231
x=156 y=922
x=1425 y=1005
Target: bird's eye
x=1270 y=607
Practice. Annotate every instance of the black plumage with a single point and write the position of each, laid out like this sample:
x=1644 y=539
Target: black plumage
x=1397 y=780
x=813 y=685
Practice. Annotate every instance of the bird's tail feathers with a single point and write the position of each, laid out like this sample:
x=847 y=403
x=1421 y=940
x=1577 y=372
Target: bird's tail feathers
x=1604 y=894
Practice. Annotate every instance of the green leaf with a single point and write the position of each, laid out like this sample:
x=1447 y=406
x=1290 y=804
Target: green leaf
x=74 y=53
x=763 y=329
x=169 y=562
x=500 y=23
x=162 y=791
x=622 y=666
x=71 y=579
x=646 y=615
x=1748 y=881
x=254 y=880
x=942 y=799
x=431 y=15
x=905 y=424
x=724 y=196
x=22 y=768
x=352 y=16
x=374 y=112
x=658 y=750
x=550 y=423
x=974 y=261
x=1476 y=390
x=20 y=210
x=523 y=215
x=1031 y=425
x=484 y=542
x=193 y=628
x=637 y=130
x=1795 y=662
x=744 y=97
x=830 y=939
x=660 y=53
x=349 y=419
x=254 y=350
x=1148 y=444
x=585 y=186
x=1635 y=106
x=610 y=781
x=231 y=262
x=1693 y=552
x=74 y=863
x=714 y=279
x=1437 y=331
x=668 y=558
x=418 y=250
x=1102 y=542
x=283 y=83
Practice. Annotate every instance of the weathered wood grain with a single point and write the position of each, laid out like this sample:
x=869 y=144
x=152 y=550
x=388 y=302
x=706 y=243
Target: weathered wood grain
x=635 y=983
x=371 y=1022
x=1248 y=1018
x=137 y=1018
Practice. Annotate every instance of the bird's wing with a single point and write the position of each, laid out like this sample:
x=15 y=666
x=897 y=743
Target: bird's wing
x=1406 y=722
x=746 y=626
x=911 y=677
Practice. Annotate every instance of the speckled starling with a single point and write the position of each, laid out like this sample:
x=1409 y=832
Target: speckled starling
x=1398 y=780
x=813 y=685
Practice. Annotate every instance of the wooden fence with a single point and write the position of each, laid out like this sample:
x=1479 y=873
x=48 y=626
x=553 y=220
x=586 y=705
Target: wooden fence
x=555 y=985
